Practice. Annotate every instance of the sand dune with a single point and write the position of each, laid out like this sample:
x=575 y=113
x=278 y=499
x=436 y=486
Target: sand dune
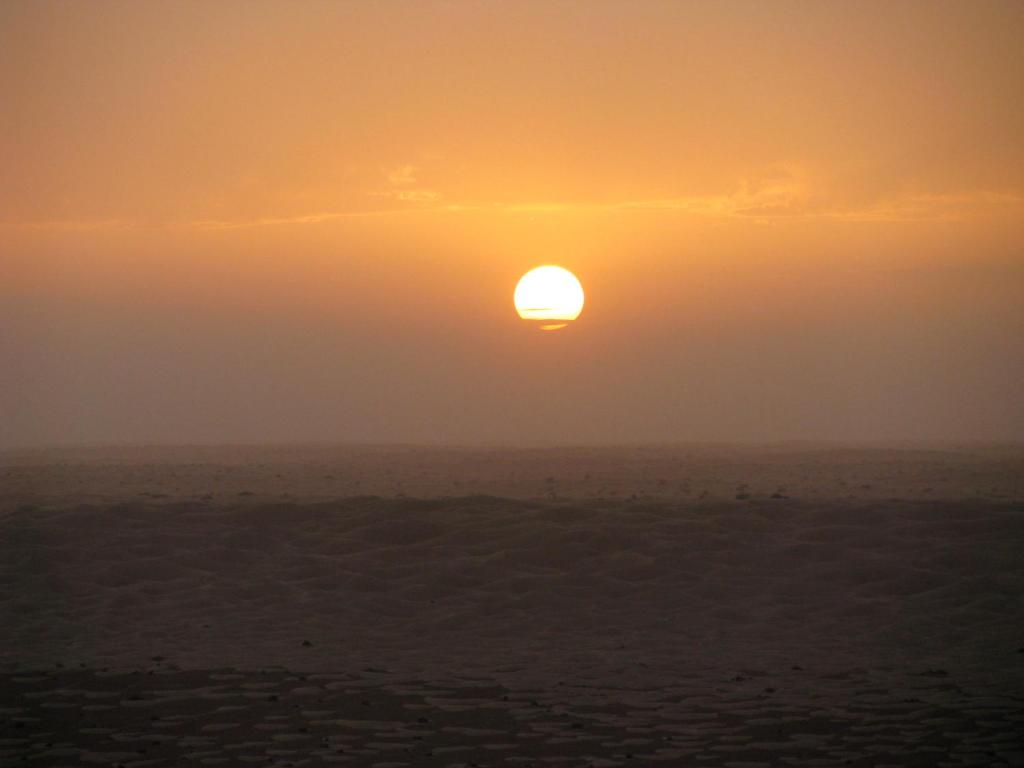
x=681 y=472
x=426 y=580
x=374 y=718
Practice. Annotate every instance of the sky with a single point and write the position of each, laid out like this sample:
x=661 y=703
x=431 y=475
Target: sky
x=242 y=222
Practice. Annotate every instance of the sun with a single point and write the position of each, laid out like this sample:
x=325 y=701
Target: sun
x=550 y=296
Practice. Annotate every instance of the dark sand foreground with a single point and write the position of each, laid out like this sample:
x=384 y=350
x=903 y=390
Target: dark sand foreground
x=387 y=607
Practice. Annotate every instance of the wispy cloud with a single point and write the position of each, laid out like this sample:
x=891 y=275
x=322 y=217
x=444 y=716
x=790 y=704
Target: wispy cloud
x=780 y=200
x=71 y=225
x=402 y=186
x=402 y=176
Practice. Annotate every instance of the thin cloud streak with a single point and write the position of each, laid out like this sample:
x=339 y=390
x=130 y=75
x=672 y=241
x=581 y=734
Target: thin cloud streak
x=911 y=208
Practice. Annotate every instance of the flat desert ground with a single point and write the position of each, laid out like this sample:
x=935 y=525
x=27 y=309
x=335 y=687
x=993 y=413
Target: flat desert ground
x=794 y=605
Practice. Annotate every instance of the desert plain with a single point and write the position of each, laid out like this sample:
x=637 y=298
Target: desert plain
x=683 y=605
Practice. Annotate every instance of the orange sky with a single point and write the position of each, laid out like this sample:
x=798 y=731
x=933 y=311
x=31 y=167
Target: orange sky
x=304 y=221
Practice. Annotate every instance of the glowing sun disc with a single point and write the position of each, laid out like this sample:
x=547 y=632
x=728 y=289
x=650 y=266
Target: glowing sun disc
x=549 y=294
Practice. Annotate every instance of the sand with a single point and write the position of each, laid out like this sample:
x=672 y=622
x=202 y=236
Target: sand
x=698 y=605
